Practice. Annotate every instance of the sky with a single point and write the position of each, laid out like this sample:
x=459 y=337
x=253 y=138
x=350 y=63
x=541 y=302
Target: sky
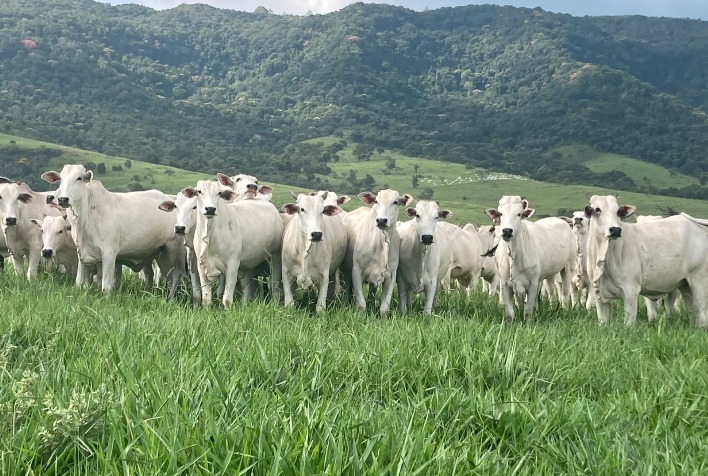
x=668 y=8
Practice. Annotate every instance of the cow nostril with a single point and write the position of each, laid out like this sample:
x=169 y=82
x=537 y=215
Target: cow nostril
x=10 y=220
x=47 y=253
x=316 y=235
x=507 y=231
x=615 y=231
x=426 y=239
x=382 y=222
x=251 y=186
x=210 y=211
x=180 y=230
x=50 y=199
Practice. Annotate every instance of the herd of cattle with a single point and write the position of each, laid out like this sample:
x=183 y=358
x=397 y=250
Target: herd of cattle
x=227 y=233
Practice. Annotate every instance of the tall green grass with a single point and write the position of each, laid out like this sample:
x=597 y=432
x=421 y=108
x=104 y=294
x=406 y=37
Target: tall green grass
x=132 y=384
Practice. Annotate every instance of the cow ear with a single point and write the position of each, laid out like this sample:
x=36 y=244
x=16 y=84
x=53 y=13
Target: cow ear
x=6 y=180
x=189 y=192
x=410 y=212
x=225 y=180
x=493 y=213
x=528 y=212
x=626 y=210
x=589 y=211
x=313 y=193
x=405 y=199
x=88 y=176
x=37 y=222
x=342 y=199
x=265 y=189
x=289 y=208
x=444 y=214
x=367 y=197
x=493 y=229
x=294 y=195
x=228 y=195
x=568 y=220
x=524 y=204
x=51 y=177
x=68 y=226
x=25 y=197
x=167 y=206
x=331 y=210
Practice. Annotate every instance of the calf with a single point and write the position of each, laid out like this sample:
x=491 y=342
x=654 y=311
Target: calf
x=465 y=254
x=649 y=259
x=488 y=240
x=58 y=246
x=529 y=253
x=314 y=246
x=18 y=206
x=425 y=259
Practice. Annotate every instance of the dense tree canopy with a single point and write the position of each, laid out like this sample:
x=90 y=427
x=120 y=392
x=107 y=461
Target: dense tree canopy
x=209 y=89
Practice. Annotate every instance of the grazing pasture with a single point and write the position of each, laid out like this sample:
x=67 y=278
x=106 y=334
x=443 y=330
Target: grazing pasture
x=129 y=383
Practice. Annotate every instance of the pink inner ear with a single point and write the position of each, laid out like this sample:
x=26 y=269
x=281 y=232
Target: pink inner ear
x=25 y=197
x=290 y=208
x=189 y=192
x=265 y=189
x=410 y=212
x=367 y=197
x=167 y=206
x=225 y=180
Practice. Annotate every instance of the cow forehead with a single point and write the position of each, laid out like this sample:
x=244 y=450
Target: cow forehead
x=507 y=199
x=310 y=202
x=9 y=191
x=207 y=186
x=245 y=178
x=604 y=202
x=71 y=171
x=53 y=223
x=387 y=196
x=427 y=208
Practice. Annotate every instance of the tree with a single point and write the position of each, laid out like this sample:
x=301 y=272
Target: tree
x=426 y=194
x=363 y=152
x=101 y=168
x=128 y=163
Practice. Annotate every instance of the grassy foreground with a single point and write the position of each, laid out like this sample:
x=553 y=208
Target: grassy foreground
x=131 y=384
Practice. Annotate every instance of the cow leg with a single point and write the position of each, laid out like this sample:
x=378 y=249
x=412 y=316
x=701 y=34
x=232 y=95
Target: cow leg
x=33 y=265
x=231 y=278
x=429 y=297
x=386 y=295
x=149 y=275
x=590 y=301
x=204 y=286
x=651 y=309
x=194 y=276
x=275 y=281
x=670 y=302
x=19 y=265
x=568 y=291
x=288 y=289
x=358 y=288
x=532 y=299
x=83 y=273
x=603 y=311
x=506 y=298
x=323 y=287
x=249 y=285
x=220 y=287
x=631 y=299
x=403 y=300
x=2 y=263
x=696 y=299
x=108 y=271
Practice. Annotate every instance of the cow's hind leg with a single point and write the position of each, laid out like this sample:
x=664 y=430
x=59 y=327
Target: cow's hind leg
x=695 y=296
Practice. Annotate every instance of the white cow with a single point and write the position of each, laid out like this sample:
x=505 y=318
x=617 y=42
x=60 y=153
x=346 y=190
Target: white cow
x=111 y=229
x=465 y=254
x=314 y=246
x=185 y=226
x=529 y=253
x=58 y=246
x=650 y=259
x=488 y=239
x=374 y=244
x=331 y=198
x=424 y=257
x=582 y=280
x=233 y=239
x=246 y=187
x=18 y=205
x=671 y=300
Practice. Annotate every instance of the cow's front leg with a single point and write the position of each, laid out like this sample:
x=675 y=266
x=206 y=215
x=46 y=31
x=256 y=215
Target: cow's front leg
x=430 y=290
x=631 y=298
x=33 y=265
x=18 y=264
x=323 y=287
x=108 y=271
x=358 y=287
x=387 y=294
x=603 y=311
x=532 y=298
x=231 y=277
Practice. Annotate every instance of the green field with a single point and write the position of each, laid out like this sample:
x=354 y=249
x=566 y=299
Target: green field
x=467 y=192
x=643 y=173
x=131 y=384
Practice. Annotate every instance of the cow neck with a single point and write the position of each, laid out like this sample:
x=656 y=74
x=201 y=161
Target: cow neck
x=380 y=243
x=516 y=247
x=426 y=255
x=605 y=249
x=83 y=211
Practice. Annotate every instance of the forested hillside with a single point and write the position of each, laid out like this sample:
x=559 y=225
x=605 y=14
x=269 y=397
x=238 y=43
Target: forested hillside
x=498 y=87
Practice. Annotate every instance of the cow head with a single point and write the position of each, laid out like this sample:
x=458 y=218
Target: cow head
x=310 y=211
x=208 y=196
x=488 y=236
x=186 y=214
x=332 y=198
x=73 y=181
x=607 y=215
x=56 y=235
x=511 y=210
x=246 y=186
x=12 y=196
x=384 y=206
x=426 y=215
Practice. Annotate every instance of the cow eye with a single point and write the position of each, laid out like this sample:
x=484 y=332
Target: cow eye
x=238 y=179
x=597 y=210
x=60 y=231
x=395 y=202
x=302 y=210
x=194 y=207
x=518 y=215
x=78 y=179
